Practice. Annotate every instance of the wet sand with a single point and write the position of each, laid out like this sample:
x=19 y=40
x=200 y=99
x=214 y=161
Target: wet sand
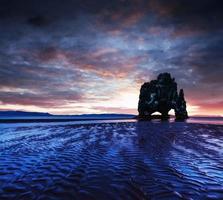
x=115 y=160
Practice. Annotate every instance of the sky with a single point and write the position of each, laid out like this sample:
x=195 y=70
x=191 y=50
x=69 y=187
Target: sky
x=92 y=56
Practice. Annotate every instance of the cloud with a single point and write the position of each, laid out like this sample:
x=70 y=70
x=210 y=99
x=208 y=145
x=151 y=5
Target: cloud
x=88 y=51
x=38 y=21
x=41 y=100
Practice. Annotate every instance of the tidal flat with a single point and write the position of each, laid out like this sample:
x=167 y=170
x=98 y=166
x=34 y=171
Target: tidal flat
x=123 y=159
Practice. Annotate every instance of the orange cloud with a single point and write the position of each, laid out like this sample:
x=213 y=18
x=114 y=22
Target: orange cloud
x=104 y=62
x=212 y=108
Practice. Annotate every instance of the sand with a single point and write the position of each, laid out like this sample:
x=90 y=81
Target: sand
x=119 y=160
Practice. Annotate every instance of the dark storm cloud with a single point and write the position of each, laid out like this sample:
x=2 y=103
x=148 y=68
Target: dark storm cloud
x=38 y=21
x=54 y=52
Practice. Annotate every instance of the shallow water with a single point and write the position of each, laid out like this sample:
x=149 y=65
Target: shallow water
x=119 y=160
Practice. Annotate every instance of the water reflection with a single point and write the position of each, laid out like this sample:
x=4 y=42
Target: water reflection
x=156 y=142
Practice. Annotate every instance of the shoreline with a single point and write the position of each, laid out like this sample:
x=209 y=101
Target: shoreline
x=197 y=120
x=40 y=120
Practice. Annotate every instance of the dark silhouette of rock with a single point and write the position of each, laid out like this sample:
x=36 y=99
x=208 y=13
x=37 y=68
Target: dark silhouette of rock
x=181 y=108
x=161 y=96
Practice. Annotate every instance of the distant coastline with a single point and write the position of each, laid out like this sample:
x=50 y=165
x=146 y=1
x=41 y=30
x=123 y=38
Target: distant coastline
x=31 y=117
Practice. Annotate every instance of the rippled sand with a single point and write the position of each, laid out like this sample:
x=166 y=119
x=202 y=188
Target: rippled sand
x=125 y=160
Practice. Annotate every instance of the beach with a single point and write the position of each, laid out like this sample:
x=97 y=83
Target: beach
x=116 y=159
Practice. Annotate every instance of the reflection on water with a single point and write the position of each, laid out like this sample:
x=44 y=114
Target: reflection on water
x=119 y=160
x=206 y=120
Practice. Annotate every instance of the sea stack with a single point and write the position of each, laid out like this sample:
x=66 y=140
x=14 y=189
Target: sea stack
x=161 y=95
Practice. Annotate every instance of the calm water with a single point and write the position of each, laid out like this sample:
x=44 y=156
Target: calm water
x=115 y=160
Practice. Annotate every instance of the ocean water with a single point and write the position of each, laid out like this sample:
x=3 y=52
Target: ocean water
x=117 y=159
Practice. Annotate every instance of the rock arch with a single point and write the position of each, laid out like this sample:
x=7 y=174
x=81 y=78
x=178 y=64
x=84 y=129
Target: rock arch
x=161 y=95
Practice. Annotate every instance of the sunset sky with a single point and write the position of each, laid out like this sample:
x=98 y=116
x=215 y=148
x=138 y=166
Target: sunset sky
x=76 y=56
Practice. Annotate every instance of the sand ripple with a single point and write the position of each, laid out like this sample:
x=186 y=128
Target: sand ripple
x=134 y=160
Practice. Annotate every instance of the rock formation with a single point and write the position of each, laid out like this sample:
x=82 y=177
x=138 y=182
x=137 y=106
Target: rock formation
x=181 y=108
x=161 y=96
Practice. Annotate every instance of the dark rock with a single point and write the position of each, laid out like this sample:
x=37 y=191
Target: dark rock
x=181 y=108
x=161 y=96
